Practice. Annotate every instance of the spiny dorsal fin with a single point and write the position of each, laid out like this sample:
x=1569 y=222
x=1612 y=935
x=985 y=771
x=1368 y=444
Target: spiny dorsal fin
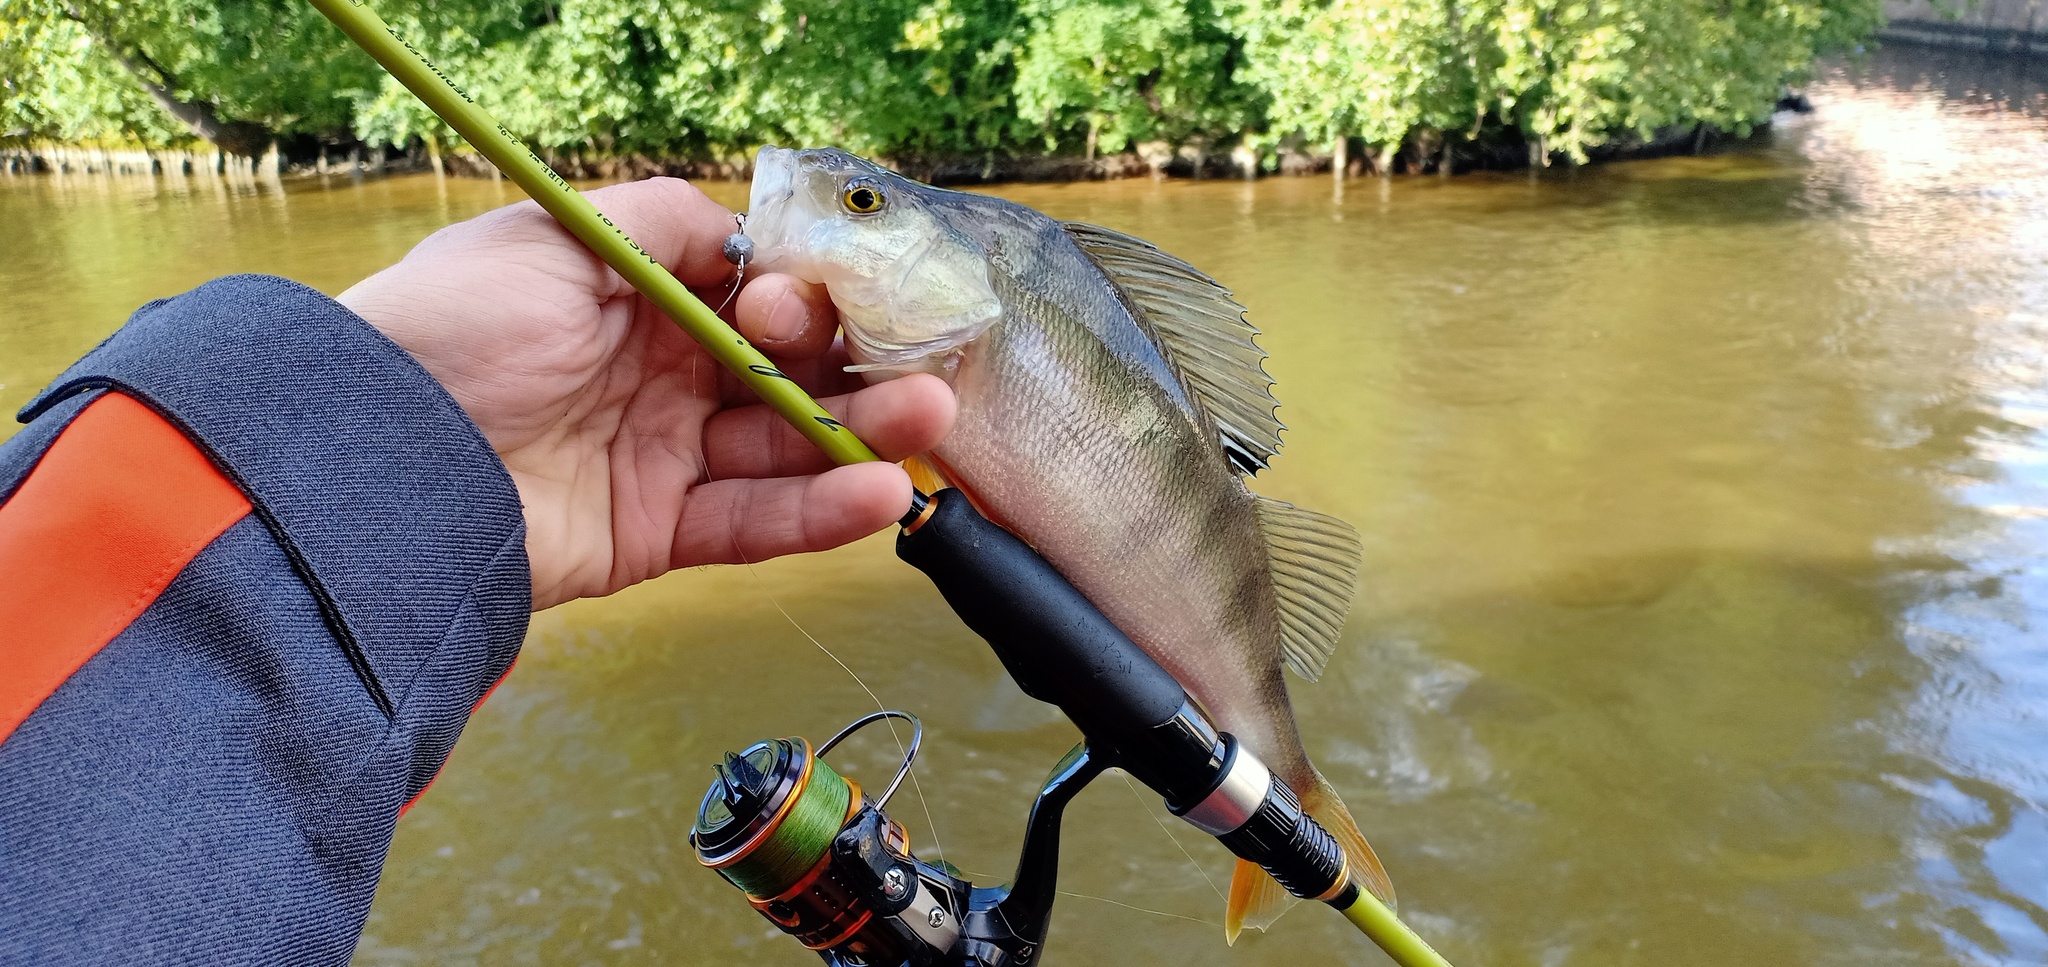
x=1202 y=330
x=1315 y=572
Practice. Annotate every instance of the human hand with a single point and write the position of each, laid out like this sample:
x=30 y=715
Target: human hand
x=634 y=452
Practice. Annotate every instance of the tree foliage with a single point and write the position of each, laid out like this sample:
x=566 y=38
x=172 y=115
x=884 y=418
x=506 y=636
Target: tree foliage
x=710 y=79
x=1567 y=75
x=56 y=83
x=1127 y=70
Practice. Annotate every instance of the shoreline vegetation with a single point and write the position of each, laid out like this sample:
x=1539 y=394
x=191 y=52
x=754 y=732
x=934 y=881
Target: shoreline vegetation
x=1153 y=160
x=947 y=91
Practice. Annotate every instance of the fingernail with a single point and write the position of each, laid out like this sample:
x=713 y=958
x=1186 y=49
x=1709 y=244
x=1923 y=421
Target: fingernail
x=786 y=320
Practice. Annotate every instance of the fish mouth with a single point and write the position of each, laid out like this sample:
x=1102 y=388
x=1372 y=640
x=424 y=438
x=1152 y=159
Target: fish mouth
x=769 y=202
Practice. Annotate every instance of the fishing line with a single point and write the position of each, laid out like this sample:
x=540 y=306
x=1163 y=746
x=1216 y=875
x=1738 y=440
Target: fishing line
x=900 y=747
x=1113 y=902
x=1149 y=811
x=818 y=808
x=1133 y=906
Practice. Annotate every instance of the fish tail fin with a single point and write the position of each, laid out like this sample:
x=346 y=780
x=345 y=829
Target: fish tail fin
x=1320 y=801
x=1256 y=899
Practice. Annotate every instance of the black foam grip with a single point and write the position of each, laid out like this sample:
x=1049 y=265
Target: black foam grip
x=1054 y=642
x=1061 y=650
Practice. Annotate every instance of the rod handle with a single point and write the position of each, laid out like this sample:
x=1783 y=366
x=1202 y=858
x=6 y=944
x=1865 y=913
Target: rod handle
x=1052 y=639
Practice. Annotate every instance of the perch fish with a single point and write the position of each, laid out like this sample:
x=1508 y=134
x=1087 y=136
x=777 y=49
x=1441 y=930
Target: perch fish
x=1112 y=403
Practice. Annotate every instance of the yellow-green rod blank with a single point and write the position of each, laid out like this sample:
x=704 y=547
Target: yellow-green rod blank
x=1373 y=918
x=580 y=217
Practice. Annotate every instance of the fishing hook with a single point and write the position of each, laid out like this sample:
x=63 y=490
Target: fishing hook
x=739 y=250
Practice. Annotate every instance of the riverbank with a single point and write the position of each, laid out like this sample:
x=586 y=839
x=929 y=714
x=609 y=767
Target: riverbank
x=1997 y=27
x=1426 y=155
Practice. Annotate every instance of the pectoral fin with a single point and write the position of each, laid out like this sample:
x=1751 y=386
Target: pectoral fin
x=1315 y=560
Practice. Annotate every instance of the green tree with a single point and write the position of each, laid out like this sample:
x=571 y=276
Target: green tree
x=1566 y=75
x=1128 y=70
x=1583 y=74
x=1380 y=71
x=488 y=47
x=56 y=84
x=925 y=80
x=233 y=72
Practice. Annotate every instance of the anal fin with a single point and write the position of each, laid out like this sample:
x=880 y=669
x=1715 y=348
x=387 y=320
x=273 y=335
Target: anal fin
x=1320 y=800
x=1256 y=900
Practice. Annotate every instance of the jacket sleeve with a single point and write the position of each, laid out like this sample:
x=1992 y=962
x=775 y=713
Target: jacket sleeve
x=256 y=569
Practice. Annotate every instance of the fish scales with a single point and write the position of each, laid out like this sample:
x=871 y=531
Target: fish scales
x=1136 y=507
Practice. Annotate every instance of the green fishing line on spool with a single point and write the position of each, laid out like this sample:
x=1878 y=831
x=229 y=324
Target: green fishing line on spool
x=795 y=844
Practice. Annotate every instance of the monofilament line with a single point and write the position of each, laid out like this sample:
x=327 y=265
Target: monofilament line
x=1133 y=906
x=1147 y=806
x=1112 y=902
x=937 y=848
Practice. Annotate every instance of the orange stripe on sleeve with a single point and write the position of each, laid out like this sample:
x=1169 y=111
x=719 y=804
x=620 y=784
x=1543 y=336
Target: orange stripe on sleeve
x=117 y=506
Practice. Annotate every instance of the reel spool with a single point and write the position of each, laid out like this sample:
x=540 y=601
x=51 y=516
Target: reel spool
x=769 y=825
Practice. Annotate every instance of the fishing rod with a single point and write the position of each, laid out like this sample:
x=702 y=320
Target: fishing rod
x=810 y=850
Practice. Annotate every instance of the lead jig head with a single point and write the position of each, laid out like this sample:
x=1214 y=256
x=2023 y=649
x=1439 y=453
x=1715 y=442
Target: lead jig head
x=739 y=250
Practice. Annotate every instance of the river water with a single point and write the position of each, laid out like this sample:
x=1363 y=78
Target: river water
x=1706 y=517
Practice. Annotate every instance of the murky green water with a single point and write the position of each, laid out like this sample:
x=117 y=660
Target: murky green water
x=1706 y=507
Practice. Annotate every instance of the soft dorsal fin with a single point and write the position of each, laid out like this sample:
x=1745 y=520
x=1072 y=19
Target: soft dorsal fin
x=1315 y=573
x=1202 y=330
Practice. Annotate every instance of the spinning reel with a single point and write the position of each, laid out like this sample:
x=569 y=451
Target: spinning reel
x=827 y=866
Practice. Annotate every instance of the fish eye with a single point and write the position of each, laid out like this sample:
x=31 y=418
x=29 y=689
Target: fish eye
x=863 y=198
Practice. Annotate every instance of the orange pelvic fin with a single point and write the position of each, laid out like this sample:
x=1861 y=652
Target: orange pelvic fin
x=930 y=474
x=924 y=476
